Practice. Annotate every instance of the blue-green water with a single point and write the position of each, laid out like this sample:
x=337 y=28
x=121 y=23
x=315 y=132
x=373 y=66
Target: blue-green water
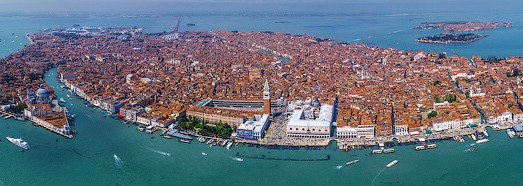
x=89 y=158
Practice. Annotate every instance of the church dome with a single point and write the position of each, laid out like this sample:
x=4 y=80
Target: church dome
x=41 y=92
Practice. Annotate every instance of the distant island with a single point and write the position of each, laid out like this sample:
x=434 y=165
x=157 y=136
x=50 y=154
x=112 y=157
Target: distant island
x=447 y=38
x=463 y=26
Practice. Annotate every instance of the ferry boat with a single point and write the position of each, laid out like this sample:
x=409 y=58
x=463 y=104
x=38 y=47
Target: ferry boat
x=482 y=141
x=352 y=162
x=386 y=151
x=185 y=140
x=19 y=142
x=420 y=148
x=377 y=151
x=392 y=163
x=432 y=146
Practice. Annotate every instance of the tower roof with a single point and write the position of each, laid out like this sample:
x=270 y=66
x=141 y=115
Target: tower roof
x=266 y=86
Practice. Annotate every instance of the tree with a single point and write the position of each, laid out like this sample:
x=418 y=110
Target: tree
x=438 y=99
x=467 y=94
x=516 y=72
x=510 y=105
x=432 y=114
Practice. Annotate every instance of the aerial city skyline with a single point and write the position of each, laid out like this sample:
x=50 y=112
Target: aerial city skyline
x=366 y=96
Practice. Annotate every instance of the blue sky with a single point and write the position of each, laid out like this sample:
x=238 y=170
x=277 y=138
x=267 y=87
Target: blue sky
x=247 y=5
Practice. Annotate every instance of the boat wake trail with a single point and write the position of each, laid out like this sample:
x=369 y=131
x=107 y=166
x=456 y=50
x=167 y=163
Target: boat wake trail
x=118 y=161
x=473 y=144
x=2 y=183
x=159 y=152
x=374 y=179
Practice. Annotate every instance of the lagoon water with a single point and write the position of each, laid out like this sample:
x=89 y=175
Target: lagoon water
x=104 y=152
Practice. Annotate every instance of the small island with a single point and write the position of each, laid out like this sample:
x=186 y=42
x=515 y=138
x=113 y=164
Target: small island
x=447 y=38
x=463 y=26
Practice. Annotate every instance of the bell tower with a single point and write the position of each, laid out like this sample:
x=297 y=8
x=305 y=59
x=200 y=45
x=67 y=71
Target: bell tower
x=266 y=98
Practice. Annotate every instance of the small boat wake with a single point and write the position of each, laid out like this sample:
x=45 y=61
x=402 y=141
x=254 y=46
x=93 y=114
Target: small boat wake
x=473 y=144
x=159 y=152
x=118 y=161
x=379 y=173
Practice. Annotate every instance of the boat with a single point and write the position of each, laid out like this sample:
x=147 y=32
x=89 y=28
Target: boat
x=62 y=100
x=377 y=151
x=203 y=153
x=420 y=148
x=473 y=137
x=7 y=117
x=191 y=24
x=238 y=159
x=386 y=151
x=432 y=146
x=229 y=145
x=68 y=96
x=392 y=163
x=185 y=140
x=167 y=136
x=510 y=133
x=485 y=132
x=140 y=128
x=19 y=142
x=472 y=148
x=351 y=162
x=224 y=143
x=482 y=141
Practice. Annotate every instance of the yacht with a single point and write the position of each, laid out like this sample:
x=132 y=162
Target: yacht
x=420 y=148
x=238 y=159
x=19 y=142
x=229 y=145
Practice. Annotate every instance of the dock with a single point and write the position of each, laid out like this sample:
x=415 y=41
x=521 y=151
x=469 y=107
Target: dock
x=176 y=133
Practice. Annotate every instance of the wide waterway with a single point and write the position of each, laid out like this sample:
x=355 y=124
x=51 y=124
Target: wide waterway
x=89 y=159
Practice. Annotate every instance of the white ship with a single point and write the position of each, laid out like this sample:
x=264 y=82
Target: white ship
x=392 y=163
x=238 y=159
x=482 y=141
x=19 y=142
x=352 y=162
